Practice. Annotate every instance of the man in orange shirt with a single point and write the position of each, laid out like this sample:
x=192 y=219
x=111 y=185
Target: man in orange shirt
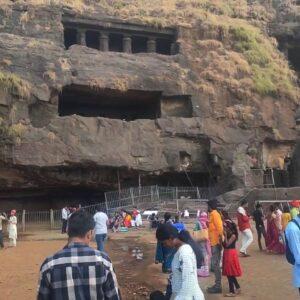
x=215 y=231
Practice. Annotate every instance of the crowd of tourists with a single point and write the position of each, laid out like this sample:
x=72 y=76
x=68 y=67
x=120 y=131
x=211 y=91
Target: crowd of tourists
x=80 y=272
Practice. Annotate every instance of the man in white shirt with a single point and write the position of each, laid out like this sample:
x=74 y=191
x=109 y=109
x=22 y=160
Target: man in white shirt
x=2 y=218
x=64 y=218
x=101 y=221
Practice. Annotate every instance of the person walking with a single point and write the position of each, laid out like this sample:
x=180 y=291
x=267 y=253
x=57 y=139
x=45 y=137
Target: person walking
x=3 y=217
x=292 y=235
x=275 y=243
x=12 y=228
x=64 y=218
x=184 y=279
x=101 y=222
x=78 y=271
x=215 y=232
x=164 y=254
x=286 y=217
x=245 y=228
x=295 y=208
x=231 y=265
x=202 y=224
x=259 y=217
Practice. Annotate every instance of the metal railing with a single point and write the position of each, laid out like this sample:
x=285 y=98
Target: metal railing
x=146 y=196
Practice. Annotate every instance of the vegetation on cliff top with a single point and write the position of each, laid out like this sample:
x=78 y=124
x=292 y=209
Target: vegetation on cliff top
x=243 y=27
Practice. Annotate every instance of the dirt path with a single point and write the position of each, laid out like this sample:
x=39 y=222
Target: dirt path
x=265 y=276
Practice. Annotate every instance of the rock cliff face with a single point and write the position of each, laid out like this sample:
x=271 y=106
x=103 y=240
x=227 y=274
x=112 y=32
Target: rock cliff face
x=241 y=116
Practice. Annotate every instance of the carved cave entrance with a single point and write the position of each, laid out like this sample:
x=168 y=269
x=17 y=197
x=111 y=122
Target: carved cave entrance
x=108 y=103
x=89 y=192
x=125 y=105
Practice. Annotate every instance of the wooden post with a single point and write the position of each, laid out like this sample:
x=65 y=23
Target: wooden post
x=51 y=219
x=23 y=220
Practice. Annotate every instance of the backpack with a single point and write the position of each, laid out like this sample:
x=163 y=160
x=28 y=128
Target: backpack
x=288 y=253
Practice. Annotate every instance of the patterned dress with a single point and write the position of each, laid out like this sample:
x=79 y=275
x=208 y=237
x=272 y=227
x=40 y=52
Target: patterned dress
x=184 y=275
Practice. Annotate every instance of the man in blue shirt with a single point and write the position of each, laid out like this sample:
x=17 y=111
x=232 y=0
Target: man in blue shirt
x=292 y=233
x=179 y=225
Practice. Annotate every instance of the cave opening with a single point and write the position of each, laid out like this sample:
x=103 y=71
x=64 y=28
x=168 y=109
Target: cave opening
x=115 y=42
x=108 y=103
x=92 y=39
x=177 y=106
x=70 y=37
x=139 y=44
x=163 y=46
x=294 y=58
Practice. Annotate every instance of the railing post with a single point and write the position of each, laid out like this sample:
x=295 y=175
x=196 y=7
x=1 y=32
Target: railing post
x=106 y=205
x=131 y=195
x=151 y=192
x=157 y=193
x=23 y=220
x=51 y=219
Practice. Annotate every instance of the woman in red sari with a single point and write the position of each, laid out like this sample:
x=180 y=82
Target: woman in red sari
x=273 y=241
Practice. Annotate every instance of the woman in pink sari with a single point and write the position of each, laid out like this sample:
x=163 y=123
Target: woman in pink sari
x=274 y=241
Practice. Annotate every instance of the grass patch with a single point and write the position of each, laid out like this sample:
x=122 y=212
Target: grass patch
x=271 y=74
x=14 y=84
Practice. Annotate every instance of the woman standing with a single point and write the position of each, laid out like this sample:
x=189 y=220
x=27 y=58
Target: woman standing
x=184 y=266
x=205 y=247
x=274 y=243
x=164 y=254
x=231 y=265
x=286 y=217
x=12 y=228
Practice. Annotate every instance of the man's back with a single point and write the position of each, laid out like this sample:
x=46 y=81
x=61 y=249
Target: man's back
x=101 y=223
x=77 y=272
x=258 y=217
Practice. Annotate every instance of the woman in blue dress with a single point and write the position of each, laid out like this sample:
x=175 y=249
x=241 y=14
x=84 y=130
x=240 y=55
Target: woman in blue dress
x=165 y=255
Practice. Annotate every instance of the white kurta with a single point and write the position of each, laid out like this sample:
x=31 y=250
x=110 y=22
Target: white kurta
x=12 y=228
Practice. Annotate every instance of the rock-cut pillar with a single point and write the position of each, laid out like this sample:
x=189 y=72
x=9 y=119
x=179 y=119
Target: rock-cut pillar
x=127 y=44
x=151 y=45
x=104 y=42
x=81 y=37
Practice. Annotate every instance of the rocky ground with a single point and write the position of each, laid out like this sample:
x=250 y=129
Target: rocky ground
x=265 y=276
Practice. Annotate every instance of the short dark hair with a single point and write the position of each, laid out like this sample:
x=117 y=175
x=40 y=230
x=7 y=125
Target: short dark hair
x=166 y=231
x=167 y=216
x=80 y=223
x=286 y=208
x=258 y=205
x=213 y=203
x=243 y=202
x=176 y=219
